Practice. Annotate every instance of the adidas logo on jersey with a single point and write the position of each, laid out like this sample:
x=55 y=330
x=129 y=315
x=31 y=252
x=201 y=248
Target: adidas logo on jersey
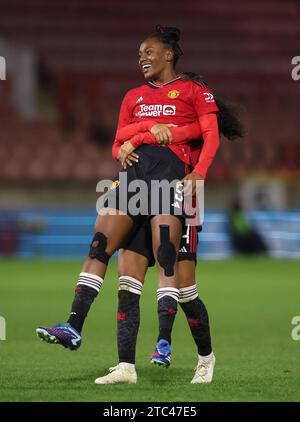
x=139 y=100
x=183 y=249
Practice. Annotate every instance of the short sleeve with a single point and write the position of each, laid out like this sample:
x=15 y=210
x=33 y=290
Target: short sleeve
x=203 y=99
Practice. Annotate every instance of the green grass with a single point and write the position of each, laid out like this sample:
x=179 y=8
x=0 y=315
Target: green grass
x=251 y=304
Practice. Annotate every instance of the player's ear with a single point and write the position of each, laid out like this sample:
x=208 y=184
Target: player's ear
x=169 y=56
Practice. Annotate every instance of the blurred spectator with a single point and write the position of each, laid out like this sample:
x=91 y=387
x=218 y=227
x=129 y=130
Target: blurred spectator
x=11 y=230
x=245 y=239
x=9 y=235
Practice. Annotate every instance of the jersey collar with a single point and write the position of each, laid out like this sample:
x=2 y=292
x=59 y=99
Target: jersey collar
x=161 y=85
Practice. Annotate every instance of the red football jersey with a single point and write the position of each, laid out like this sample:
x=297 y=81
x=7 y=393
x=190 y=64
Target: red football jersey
x=179 y=102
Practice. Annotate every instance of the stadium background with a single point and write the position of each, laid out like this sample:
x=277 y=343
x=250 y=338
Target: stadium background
x=68 y=65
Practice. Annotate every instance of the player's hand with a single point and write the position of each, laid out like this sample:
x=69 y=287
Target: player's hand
x=125 y=152
x=130 y=160
x=191 y=187
x=162 y=133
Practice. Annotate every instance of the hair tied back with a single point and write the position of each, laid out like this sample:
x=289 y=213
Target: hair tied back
x=159 y=28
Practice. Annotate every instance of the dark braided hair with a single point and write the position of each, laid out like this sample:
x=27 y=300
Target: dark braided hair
x=228 y=120
x=169 y=36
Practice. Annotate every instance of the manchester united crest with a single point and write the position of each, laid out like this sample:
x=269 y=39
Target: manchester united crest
x=173 y=94
x=115 y=184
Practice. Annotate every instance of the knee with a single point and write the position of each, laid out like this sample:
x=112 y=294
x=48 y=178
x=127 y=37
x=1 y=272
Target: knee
x=166 y=252
x=98 y=248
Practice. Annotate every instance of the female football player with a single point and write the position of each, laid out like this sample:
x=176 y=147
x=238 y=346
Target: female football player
x=136 y=255
x=170 y=99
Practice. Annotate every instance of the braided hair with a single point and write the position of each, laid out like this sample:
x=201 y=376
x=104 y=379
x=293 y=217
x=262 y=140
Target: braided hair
x=230 y=125
x=169 y=36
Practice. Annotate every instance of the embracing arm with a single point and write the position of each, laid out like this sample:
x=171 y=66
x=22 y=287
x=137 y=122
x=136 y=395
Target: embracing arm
x=180 y=135
x=211 y=138
x=210 y=135
x=128 y=131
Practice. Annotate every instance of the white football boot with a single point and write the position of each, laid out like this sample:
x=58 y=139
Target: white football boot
x=205 y=369
x=124 y=373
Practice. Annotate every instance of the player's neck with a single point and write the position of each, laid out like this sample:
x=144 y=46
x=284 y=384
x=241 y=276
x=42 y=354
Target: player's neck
x=162 y=84
x=165 y=77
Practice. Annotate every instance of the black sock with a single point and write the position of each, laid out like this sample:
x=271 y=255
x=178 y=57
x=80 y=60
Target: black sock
x=197 y=317
x=128 y=325
x=167 y=308
x=84 y=297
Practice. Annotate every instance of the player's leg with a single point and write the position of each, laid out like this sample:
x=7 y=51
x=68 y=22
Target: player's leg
x=198 y=320
x=166 y=234
x=132 y=268
x=193 y=307
x=109 y=231
x=134 y=258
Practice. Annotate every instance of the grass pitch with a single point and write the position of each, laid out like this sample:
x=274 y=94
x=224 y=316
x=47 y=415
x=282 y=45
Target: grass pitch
x=251 y=305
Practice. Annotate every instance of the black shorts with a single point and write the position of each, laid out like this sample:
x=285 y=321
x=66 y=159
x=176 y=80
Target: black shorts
x=140 y=241
x=144 y=196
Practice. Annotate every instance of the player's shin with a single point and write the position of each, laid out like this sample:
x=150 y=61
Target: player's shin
x=167 y=308
x=167 y=297
x=128 y=318
x=197 y=317
x=87 y=289
x=89 y=284
x=167 y=300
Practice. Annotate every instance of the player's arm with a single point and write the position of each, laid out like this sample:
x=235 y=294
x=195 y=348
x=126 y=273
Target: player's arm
x=128 y=131
x=211 y=143
x=124 y=120
x=161 y=133
x=207 y=110
x=123 y=147
x=186 y=133
x=180 y=135
x=150 y=132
